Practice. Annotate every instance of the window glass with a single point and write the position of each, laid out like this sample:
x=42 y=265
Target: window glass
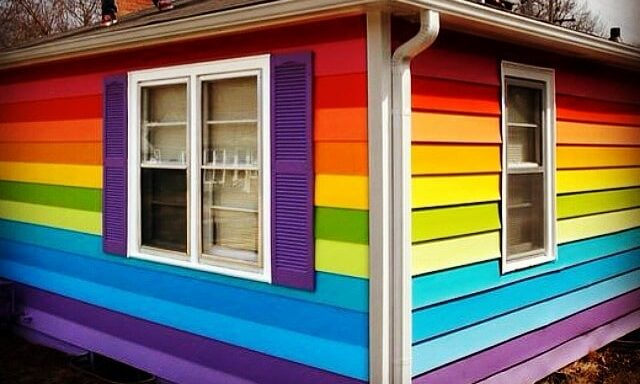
x=164 y=124
x=525 y=213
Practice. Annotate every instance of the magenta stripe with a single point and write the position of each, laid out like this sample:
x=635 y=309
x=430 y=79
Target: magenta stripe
x=513 y=352
x=171 y=354
x=540 y=366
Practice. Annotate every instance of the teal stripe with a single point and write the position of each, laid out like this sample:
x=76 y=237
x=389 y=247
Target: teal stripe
x=454 y=315
x=334 y=290
x=84 y=199
x=450 y=284
x=440 y=351
x=312 y=350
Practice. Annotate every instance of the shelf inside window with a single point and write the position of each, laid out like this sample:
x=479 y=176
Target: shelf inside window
x=520 y=206
x=163 y=165
x=238 y=121
x=161 y=124
x=233 y=209
x=523 y=125
x=232 y=167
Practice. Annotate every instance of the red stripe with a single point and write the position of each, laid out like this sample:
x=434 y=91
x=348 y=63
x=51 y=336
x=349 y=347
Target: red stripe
x=454 y=96
x=72 y=86
x=72 y=108
x=571 y=108
x=342 y=91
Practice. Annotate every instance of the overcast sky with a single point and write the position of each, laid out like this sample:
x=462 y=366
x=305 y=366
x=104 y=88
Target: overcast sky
x=619 y=13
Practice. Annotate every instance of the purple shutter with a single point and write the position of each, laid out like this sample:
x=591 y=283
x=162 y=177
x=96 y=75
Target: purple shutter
x=292 y=186
x=114 y=174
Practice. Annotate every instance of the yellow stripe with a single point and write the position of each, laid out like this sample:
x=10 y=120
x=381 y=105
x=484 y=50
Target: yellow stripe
x=592 y=180
x=596 y=225
x=342 y=258
x=433 y=191
x=65 y=218
x=443 y=254
x=342 y=191
x=596 y=157
x=89 y=176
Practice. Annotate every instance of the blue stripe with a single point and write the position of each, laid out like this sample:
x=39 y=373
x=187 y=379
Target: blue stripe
x=335 y=290
x=438 y=352
x=451 y=316
x=450 y=284
x=310 y=349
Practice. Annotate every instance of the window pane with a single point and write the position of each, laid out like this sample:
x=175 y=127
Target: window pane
x=231 y=99
x=164 y=124
x=523 y=146
x=524 y=104
x=525 y=215
x=231 y=144
x=164 y=209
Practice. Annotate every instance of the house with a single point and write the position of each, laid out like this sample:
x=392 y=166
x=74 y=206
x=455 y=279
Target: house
x=323 y=191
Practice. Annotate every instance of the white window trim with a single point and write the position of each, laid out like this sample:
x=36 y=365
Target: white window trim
x=546 y=76
x=193 y=74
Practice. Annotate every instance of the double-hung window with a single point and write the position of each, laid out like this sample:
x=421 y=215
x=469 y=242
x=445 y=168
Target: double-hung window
x=199 y=166
x=528 y=175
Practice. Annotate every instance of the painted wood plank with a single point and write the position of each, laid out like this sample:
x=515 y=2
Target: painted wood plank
x=333 y=290
x=346 y=225
x=64 y=218
x=340 y=91
x=340 y=124
x=569 y=181
x=454 y=128
x=342 y=258
x=341 y=191
x=451 y=347
x=512 y=352
x=86 y=176
x=596 y=225
x=589 y=203
x=596 y=134
x=443 y=254
x=431 y=224
x=454 y=96
x=345 y=158
x=581 y=109
x=54 y=88
x=84 y=199
x=438 y=287
x=313 y=350
x=55 y=131
x=455 y=315
x=543 y=365
x=63 y=153
x=434 y=191
x=69 y=108
x=454 y=159
x=597 y=157
x=578 y=80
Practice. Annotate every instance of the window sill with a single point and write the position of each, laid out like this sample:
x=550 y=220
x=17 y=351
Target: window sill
x=526 y=262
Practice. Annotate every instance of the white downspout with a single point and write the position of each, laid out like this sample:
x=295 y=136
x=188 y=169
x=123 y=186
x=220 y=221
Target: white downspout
x=401 y=142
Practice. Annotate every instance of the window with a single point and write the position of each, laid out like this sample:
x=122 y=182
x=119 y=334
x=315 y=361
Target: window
x=199 y=166
x=528 y=174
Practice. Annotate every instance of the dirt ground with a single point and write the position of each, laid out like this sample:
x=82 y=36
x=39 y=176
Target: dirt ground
x=24 y=363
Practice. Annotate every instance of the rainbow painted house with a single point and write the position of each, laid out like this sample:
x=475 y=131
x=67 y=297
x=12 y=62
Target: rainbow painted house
x=323 y=191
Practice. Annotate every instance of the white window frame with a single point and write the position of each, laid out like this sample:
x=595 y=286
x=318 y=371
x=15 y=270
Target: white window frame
x=194 y=75
x=545 y=76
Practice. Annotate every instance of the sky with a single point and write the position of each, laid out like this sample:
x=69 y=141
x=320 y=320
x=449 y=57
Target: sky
x=619 y=13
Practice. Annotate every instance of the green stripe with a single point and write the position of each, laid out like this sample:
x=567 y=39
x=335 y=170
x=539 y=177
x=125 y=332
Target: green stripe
x=85 y=199
x=430 y=224
x=348 y=225
x=597 y=202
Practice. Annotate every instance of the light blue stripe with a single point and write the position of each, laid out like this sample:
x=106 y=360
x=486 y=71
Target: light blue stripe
x=438 y=352
x=335 y=290
x=451 y=316
x=334 y=356
x=450 y=284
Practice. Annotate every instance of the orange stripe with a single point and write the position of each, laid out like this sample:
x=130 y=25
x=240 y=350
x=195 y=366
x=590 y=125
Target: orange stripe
x=585 y=133
x=454 y=159
x=451 y=128
x=52 y=131
x=60 y=153
x=341 y=158
x=340 y=124
x=454 y=96
x=597 y=157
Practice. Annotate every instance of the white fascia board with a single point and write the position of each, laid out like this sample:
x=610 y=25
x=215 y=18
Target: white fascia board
x=479 y=19
x=256 y=16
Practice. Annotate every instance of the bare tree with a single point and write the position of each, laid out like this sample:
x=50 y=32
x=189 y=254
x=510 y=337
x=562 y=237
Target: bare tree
x=573 y=14
x=24 y=20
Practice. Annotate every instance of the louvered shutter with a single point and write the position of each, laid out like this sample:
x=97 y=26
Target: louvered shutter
x=292 y=171
x=114 y=177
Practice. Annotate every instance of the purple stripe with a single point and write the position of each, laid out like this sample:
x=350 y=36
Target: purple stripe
x=166 y=352
x=540 y=366
x=510 y=353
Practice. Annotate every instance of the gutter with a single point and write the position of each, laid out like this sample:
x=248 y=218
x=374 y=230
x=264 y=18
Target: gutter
x=401 y=211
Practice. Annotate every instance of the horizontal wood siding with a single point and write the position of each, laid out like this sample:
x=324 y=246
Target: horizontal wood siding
x=462 y=304
x=51 y=204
